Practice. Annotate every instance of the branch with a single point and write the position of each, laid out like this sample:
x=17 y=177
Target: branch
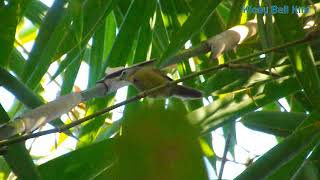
x=43 y=114
x=224 y=157
x=46 y=113
x=224 y=41
x=145 y=93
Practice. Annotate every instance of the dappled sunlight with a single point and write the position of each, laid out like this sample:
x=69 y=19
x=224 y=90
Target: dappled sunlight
x=51 y=87
x=45 y=148
x=121 y=95
x=309 y=24
x=243 y=32
x=26 y=32
x=298 y=62
x=284 y=104
x=6 y=99
x=229 y=39
x=82 y=79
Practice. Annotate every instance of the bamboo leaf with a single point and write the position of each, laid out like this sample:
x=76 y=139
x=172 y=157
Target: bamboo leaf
x=285 y=151
x=93 y=13
x=173 y=141
x=160 y=36
x=97 y=51
x=300 y=56
x=110 y=35
x=70 y=74
x=84 y=163
x=295 y=168
x=276 y=123
x=9 y=12
x=235 y=13
x=233 y=106
x=36 y=11
x=128 y=32
x=4 y=168
x=57 y=37
x=192 y=26
x=71 y=58
x=18 y=158
x=45 y=45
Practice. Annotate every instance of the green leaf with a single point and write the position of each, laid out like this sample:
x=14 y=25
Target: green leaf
x=17 y=62
x=230 y=128
x=10 y=15
x=300 y=56
x=192 y=26
x=84 y=163
x=36 y=11
x=96 y=55
x=299 y=102
x=172 y=152
x=17 y=156
x=19 y=90
x=160 y=35
x=276 y=123
x=108 y=131
x=56 y=37
x=110 y=35
x=224 y=10
x=314 y=159
x=226 y=80
x=72 y=57
x=235 y=13
x=170 y=15
x=93 y=13
x=213 y=26
x=296 y=168
x=143 y=43
x=70 y=75
x=45 y=45
x=4 y=169
x=88 y=133
x=208 y=151
x=118 y=15
x=139 y=12
x=233 y=106
x=304 y=138
x=309 y=171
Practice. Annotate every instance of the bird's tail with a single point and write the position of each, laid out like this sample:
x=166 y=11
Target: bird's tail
x=185 y=92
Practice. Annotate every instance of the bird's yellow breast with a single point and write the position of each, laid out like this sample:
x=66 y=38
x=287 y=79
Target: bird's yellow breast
x=148 y=78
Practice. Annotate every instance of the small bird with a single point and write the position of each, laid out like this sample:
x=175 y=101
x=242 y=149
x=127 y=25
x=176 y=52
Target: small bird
x=148 y=77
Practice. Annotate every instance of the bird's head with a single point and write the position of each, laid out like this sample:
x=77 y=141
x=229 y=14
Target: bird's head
x=127 y=74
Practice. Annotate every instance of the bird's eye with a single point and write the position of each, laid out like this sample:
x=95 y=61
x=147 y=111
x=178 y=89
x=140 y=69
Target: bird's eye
x=135 y=80
x=123 y=75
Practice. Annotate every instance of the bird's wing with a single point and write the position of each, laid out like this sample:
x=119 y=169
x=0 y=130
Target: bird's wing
x=163 y=74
